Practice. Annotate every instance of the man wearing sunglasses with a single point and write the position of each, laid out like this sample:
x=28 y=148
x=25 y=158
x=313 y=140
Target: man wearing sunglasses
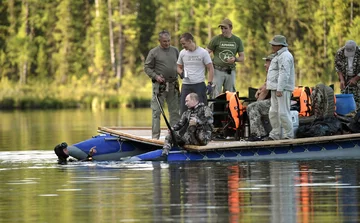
x=227 y=50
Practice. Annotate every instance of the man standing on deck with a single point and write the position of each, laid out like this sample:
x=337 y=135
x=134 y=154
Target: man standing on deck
x=281 y=82
x=160 y=66
x=258 y=112
x=195 y=125
x=191 y=64
x=347 y=65
x=225 y=48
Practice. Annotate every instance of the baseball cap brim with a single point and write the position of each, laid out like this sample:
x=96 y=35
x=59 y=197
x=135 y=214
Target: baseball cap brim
x=277 y=43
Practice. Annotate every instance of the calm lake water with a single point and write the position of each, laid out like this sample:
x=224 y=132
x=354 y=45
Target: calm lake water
x=34 y=188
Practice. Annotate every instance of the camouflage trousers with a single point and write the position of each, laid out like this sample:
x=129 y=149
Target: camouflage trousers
x=255 y=111
x=192 y=136
x=355 y=90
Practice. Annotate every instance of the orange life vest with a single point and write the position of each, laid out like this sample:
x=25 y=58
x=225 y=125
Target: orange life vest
x=302 y=97
x=235 y=106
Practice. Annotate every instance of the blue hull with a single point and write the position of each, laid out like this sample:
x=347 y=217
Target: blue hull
x=340 y=150
x=111 y=147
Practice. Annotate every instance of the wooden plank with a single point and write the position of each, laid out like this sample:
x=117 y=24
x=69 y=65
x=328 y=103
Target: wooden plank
x=144 y=132
x=286 y=142
x=131 y=128
x=221 y=145
x=130 y=136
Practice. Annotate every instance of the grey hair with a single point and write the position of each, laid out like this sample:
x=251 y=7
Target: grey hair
x=194 y=96
x=164 y=32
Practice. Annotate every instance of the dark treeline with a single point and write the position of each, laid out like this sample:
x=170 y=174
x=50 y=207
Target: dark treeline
x=91 y=52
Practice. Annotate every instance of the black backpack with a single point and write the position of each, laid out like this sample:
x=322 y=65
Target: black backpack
x=354 y=124
x=320 y=127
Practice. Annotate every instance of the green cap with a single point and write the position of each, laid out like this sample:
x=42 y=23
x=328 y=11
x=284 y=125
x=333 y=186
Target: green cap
x=278 y=40
x=226 y=23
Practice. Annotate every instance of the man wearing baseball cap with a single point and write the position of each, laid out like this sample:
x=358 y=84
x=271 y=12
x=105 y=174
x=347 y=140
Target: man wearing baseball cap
x=281 y=83
x=228 y=50
x=347 y=65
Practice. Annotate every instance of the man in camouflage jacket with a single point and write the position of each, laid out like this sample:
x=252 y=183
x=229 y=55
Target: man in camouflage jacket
x=258 y=111
x=347 y=65
x=195 y=125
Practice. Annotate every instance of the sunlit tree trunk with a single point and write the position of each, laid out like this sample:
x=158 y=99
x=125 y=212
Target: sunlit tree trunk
x=63 y=37
x=351 y=11
x=24 y=60
x=209 y=23
x=119 y=69
x=99 y=59
x=176 y=25
x=111 y=38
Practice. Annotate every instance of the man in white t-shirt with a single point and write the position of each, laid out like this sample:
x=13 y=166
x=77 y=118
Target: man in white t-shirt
x=191 y=65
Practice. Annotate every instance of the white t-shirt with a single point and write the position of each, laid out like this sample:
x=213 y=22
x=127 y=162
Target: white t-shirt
x=194 y=64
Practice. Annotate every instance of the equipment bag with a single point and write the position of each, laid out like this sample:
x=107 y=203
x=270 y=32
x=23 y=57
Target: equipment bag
x=322 y=101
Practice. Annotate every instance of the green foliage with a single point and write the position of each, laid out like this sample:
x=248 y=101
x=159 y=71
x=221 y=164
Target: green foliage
x=146 y=23
x=59 y=50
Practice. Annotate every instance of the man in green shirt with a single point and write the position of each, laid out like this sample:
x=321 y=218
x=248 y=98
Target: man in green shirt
x=227 y=49
x=160 y=65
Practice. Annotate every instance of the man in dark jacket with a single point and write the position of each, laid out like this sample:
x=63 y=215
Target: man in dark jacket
x=62 y=153
x=195 y=125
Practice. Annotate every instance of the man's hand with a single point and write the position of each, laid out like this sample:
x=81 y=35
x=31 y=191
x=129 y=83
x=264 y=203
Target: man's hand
x=92 y=151
x=353 y=81
x=192 y=121
x=257 y=93
x=172 y=129
x=231 y=60
x=181 y=75
x=342 y=85
x=209 y=88
x=279 y=94
x=160 y=78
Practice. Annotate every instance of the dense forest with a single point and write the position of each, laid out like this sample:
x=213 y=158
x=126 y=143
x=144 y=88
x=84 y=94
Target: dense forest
x=90 y=53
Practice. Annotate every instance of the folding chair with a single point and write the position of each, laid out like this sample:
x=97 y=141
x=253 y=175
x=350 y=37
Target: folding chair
x=229 y=116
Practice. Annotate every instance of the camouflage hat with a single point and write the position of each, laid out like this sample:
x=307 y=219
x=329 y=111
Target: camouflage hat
x=278 y=40
x=226 y=22
x=350 y=48
x=269 y=57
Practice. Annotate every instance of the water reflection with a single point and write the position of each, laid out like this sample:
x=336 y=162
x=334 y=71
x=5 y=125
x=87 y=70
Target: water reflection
x=313 y=191
x=34 y=188
x=267 y=192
